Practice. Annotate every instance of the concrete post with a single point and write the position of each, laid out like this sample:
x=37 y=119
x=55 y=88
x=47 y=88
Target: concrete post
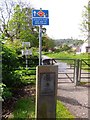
x=46 y=91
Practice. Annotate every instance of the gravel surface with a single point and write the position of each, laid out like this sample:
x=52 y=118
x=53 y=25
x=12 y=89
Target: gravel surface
x=75 y=98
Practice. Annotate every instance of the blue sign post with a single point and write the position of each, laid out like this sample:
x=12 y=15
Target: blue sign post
x=40 y=21
x=40 y=17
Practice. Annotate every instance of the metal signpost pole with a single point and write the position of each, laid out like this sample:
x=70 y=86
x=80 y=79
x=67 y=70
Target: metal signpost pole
x=39 y=18
x=25 y=51
x=40 y=45
x=26 y=62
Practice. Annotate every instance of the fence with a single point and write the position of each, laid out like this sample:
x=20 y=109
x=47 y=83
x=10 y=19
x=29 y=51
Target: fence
x=77 y=70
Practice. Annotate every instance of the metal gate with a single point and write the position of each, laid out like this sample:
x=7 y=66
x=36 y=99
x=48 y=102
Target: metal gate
x=77 y=70
x=84 y=65
x=66 y=73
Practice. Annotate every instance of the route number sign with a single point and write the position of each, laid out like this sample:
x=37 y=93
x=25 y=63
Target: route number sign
x=40 y=17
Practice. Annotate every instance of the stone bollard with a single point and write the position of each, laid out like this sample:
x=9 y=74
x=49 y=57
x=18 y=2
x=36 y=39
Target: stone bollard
x=46 y=91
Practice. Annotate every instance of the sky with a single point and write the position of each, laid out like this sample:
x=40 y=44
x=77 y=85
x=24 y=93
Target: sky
x=65 y=17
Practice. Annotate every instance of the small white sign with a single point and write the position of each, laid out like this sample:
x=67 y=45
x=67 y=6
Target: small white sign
x=25 y=44
x=26 y=52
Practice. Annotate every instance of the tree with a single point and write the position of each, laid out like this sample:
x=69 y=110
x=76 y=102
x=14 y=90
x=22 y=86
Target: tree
x=20 y=22
x=86 y=20
x=47 y=43
x=6 y=11
x=17 y=23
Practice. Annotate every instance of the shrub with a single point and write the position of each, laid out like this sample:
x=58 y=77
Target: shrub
x=32 y=61
x=9 y=63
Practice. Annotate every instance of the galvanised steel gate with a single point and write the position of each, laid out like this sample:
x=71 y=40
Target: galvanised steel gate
x=84 y=70
x=77 y=70
x=67 y=74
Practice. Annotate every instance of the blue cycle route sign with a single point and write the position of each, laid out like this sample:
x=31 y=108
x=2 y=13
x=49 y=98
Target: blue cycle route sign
x=40 y=17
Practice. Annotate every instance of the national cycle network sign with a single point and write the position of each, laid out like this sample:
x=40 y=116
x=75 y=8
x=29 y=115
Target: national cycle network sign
x=40 y=17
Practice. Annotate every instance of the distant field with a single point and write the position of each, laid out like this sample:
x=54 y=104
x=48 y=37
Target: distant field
x=66 y=55
x=69 y=57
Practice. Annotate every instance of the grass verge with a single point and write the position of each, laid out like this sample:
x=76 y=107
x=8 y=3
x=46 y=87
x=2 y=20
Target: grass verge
x=62 y=111
x=85 y=83
x=25 y=109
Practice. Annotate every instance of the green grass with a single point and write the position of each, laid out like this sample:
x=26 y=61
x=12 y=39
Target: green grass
x=62 y=111
x=69 y=57
x=84 y=83
x=25 y=108
x=65 y=55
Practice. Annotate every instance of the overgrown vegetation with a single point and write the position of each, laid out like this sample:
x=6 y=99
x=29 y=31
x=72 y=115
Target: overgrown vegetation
x=9 y=63
x=13 y=74
x=25 y=108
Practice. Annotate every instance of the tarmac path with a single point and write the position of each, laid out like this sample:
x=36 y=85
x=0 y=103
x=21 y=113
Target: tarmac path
x=75 y=98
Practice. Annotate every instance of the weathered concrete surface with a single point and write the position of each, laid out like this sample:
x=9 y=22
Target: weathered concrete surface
x=46 y=91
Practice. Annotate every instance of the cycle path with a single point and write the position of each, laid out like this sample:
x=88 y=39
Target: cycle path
x=75 y=98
